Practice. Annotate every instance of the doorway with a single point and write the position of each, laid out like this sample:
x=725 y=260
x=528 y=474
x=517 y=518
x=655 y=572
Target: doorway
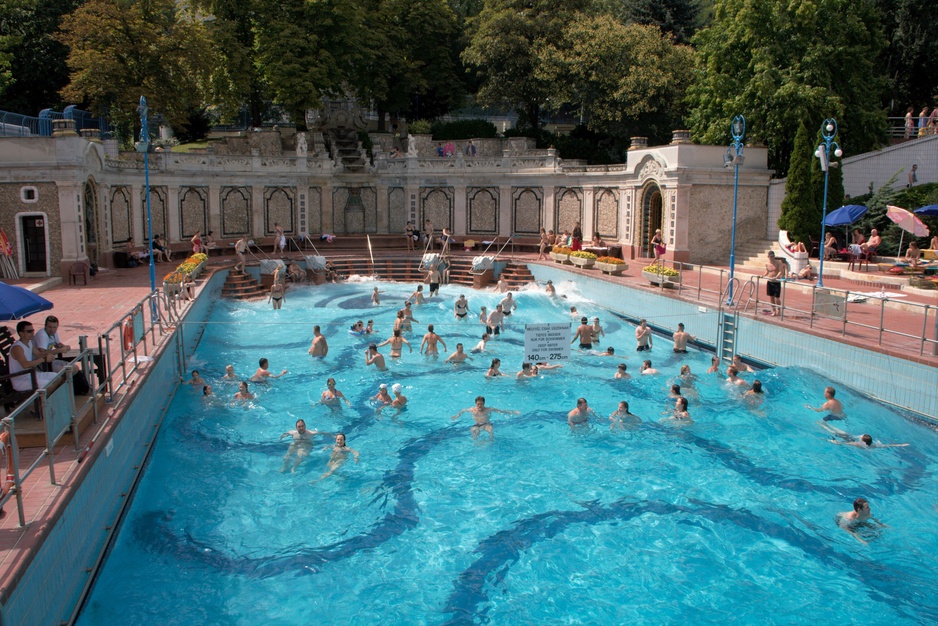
x=34 y=243
x=651 y=217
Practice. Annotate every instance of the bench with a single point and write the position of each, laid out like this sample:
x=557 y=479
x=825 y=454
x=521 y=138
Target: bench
x=10 y=398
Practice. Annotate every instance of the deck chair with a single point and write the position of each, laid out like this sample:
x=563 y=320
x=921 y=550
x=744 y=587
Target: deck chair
x=79 y=268
x=858 y=257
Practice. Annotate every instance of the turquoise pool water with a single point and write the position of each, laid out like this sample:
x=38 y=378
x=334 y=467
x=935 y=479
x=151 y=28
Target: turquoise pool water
x=726 y=519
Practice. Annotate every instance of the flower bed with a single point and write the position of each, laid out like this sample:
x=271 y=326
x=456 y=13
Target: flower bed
x=611 y=265
x=658 y=274
x=582 y=258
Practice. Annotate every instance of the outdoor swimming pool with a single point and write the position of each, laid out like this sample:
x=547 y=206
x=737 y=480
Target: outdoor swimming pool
x=729 y=518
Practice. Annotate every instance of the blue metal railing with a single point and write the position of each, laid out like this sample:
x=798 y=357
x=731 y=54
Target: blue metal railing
x=17 y=125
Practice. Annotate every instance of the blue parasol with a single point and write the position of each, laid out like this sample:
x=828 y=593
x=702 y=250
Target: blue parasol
x=17 y=303
x=845 y=215
x=931 y=209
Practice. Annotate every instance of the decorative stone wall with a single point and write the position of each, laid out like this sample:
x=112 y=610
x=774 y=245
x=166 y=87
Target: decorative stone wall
x=354 y=210
x=569 y=209
x=193 y=211
x=121 y=216
x=235 y=203
x=527 y=209
x=315 y=211
x=436 y=205
x=279 y=208
x=159 y=216
x=606 y=213
x=397 y=211
x=710 y=218
x=482 y=203
x=47 y=203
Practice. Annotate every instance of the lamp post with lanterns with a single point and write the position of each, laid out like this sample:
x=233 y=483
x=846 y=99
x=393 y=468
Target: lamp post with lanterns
x=823 y=152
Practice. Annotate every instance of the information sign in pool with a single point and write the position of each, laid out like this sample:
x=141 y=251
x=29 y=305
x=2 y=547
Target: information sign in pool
x=546 y=342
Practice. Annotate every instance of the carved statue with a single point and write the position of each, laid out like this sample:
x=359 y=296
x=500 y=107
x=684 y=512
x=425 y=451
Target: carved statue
x=411 y=146
x=301 y=146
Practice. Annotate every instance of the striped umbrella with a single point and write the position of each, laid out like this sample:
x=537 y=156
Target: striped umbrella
x=907 y=221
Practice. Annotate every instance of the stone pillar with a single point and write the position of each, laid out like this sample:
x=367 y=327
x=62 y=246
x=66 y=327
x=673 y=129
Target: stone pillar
x=547 y=209
x=382 y=208
x=460 y=211
x=505 y=209
x=327 y=217
x=257 y=213
x=172 y=205
x=214 y=209
x=588 y=225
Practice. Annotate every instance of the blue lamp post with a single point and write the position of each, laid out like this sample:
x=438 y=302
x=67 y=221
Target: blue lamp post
x=828 y=132
x=734 y=158
x=144 y=146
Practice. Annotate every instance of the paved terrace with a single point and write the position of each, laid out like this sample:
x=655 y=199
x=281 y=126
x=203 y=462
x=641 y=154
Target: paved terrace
x=93 y=308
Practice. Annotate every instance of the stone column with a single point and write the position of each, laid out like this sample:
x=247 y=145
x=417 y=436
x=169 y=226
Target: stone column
x=460 y=210
x=505 y=209
x=214 y=209
x=327 y=217
x=172 y=205
x=257 y=212
x=547 y=209
x=588 y=225
x=382 y=208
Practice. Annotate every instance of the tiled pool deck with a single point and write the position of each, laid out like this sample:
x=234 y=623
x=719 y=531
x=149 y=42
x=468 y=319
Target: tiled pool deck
x=93 y=308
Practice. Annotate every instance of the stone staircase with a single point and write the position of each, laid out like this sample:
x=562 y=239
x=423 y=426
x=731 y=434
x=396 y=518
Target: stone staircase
x=517 y=274
x=408 y=270
x=241 y=286
x=753 y=253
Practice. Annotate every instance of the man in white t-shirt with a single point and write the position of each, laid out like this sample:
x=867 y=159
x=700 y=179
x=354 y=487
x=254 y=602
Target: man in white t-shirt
x=46 y=341
x=21 y=359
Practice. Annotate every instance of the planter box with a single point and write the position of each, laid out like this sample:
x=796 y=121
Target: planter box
x=659 y=279
x=171 y=289
x=581 y=262
x=198 y=270
x=613 y=269
x=560 y=258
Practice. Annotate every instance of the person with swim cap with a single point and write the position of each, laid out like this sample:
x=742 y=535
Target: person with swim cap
x=400 y=400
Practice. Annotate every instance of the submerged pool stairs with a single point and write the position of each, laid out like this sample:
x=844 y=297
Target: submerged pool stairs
x=408 y=270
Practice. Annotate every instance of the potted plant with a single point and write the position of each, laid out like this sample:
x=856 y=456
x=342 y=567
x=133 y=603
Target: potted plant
x=611 y=265
x=659 y=274
x=561 y=254
x=582 y=258
x=172 y=283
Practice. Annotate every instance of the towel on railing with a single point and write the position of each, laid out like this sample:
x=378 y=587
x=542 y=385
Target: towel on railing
x=482 y=263
x=269 y=266
x=316 y=262
x=430 y=260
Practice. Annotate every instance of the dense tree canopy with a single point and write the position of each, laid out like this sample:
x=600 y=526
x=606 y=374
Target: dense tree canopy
x=909 y=59
x=680 y=18
x=120 y=50
x=778 y=62
x=625 y=79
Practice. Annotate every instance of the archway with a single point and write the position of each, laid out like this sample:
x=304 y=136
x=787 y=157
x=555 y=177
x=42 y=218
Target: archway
x=651 y=216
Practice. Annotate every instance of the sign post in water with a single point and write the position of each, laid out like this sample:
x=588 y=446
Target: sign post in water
x=546 y=342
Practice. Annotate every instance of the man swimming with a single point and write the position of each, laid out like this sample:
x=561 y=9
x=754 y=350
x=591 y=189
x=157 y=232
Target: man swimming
x=319 y=347
x=263 y=374
x=459 y=356
x=339 y=456
x=430 y=340
x=580 y=416
x=300 y=448
x=481 y=414
x=833 y=406
x=864 y=441
x=857 y=519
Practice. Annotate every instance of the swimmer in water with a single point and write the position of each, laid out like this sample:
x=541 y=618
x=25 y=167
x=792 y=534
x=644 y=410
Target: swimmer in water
x=207 y=390
x=376 y=297
x=370 y=327
x=459 y=356
x=382 y=398
x=339 y=455
x=430 y=340
x=417 y=297
x=230 y=373
x=373 y=357
x=482 y=416
x=680 y=409
x=859 y=518
x=494 y=372
x=754 y=394
x=196 y=379
x=864 y=441
x=480 y=347
x=646 y=368
x=621 y=373
x=732 y=377
x=301 y=446
x=622 y=419
x=263 y=374
x=396 y=341
x=580 y=416
x=319 y=347
x=740 y=365
x=544 y=366
x=332 y=397
x=527 y=371
x=461 y=307
x=400 y=400
x=832 y=406
x=243 y=393
x=549 y=288
x=714 y=365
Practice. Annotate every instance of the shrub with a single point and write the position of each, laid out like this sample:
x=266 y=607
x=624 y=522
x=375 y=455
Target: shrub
x=419 y=127
x=463 y=129
x=561 y=250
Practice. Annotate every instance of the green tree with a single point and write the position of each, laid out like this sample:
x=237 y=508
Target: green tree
x=506 y=44
x=624 y=78
x=122 y=49
x=36 y=59
x=910 y=59
x=801 y=216
x=679 y=18
x=780 y=61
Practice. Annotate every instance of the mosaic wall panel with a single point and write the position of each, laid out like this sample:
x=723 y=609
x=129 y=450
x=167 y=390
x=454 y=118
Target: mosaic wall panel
x=437 y=206
x=159 y=216
x=527 y=211
x=279 y=208
x=193 y=211
x=90 y=196
x=397 y=211
x=606 y=215
x=315 y=211
x=569 y=209
x=235 y=205
x=121 y=220
x=355 y=210
x=483 y=210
